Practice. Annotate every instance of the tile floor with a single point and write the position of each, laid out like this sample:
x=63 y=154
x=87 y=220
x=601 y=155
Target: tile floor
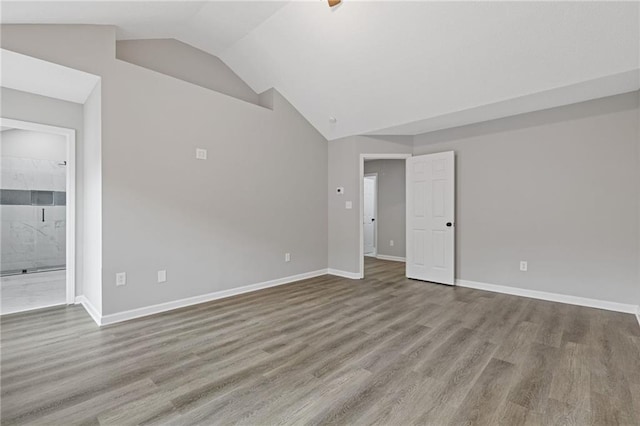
x=32 y=291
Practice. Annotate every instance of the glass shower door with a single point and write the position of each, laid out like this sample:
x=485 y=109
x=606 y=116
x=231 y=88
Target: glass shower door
x=50 y=250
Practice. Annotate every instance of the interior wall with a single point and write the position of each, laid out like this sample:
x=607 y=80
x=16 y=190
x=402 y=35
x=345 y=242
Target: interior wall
x=29 y=144
x=92 y=207
x=344 y=169
x=29 y=107
x=391 y=214
x=180 y=60
x=212 y=225
x=557 y=188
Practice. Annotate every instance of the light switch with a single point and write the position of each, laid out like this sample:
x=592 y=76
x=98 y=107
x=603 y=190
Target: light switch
x=201 y=154
x=162 y=276
x=348 y=205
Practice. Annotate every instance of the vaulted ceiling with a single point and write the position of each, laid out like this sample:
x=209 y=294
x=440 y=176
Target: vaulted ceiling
x=392 y=67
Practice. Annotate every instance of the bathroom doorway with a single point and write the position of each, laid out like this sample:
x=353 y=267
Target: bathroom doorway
x=37 y=216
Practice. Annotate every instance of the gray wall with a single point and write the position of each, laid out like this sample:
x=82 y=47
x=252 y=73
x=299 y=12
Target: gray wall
x=213 y=225
x=344 y=163
x=40 y=109
x=180 y=60
x=391 y=214
x=558 y=188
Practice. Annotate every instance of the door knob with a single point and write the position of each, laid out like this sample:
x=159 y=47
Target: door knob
x=449 y=224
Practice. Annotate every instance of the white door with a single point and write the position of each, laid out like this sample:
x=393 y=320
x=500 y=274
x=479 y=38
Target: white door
x=430 y=217
x=369 y=216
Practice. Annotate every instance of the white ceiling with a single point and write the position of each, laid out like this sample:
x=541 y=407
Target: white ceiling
x=393 y=67
x=27 y=74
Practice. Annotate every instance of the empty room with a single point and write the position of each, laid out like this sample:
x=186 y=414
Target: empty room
x=319 y=212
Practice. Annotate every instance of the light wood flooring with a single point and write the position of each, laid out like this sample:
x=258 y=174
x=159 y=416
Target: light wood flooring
x=384 y=350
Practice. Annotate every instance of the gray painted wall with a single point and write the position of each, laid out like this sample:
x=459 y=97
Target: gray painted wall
x=54 y=112
x=180 y=60
x=391 y=215
x=558 y=188
x=213 y=225
x=344 y=163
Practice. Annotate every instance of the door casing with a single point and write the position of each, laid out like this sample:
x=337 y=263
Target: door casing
x=70 y=135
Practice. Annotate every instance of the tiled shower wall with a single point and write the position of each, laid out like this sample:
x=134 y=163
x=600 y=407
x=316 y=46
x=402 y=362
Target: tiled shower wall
x=33 y=213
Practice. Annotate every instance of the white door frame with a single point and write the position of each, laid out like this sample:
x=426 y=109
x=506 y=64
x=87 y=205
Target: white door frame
x=375 y=214
x=70 y=135
x=361 y=210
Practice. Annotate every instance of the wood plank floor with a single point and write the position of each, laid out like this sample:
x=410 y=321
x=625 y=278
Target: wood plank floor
x=383 y=350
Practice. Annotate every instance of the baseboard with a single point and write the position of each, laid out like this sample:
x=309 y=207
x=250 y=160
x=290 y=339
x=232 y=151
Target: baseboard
x=91 y=310
x=393 y=258
x=167 y=306
x=552 y=297
x=344 y=274
x=638 y=314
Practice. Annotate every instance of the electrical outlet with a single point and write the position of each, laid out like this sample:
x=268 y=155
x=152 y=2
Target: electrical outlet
x=523 y=265
x=121 y=278
x=201 y=154
x=348 y=205
x=287 y=257
x=162 y=276
x=391 y=243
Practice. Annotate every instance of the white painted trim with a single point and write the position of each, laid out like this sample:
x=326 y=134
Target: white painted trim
x=361 y=209
x=393 y=258
x=375 y=215
x=70 y=135
x=175 y=304
x=638 y=314
x=91 y=310
x=344 y=274
x=552 y=297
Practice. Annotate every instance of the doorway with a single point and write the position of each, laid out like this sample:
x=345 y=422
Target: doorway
x=382 y=211
x=370 y=213
x=37 y=207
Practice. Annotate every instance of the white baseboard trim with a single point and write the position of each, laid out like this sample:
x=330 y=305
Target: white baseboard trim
x=167 y=306
x=91 y=310
x=344 y=274
x=638 y=314
x=393 y=258
x=552 y=297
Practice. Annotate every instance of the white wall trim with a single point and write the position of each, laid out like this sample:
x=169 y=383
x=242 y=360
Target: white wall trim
x=344 y=274
x=393 y=258
x=175 y=304
x=361 y=209
x=91 y=310
x=552 y=297
x=638 y=314
x=70 y=210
